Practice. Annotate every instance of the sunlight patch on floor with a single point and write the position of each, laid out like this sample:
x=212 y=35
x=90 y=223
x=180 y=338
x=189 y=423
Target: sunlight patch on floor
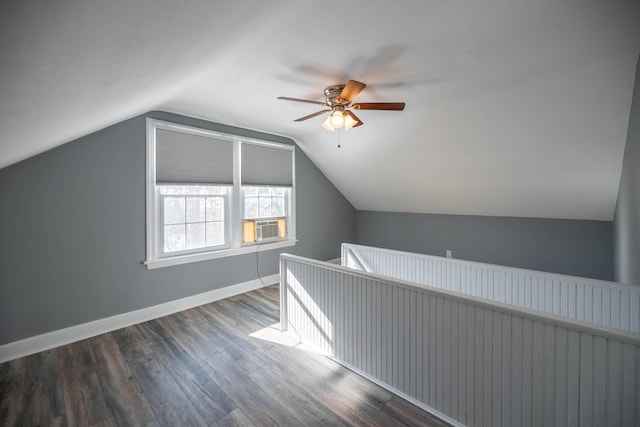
x=273 y=334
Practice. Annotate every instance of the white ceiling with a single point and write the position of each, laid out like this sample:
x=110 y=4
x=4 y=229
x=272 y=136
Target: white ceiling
x=514 y=108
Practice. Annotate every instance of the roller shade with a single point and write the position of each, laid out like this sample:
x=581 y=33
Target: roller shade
x=187 y=158
x=266 y=165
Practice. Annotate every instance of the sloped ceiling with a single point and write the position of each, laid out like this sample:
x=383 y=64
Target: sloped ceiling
x=514 y=108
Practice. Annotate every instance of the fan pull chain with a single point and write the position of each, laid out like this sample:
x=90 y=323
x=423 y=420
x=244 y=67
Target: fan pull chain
x=339 y=135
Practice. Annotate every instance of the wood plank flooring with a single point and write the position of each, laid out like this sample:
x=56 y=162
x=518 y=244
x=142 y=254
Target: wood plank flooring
x=221 y=364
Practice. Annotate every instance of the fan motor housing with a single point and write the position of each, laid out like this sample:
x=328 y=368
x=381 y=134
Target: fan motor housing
x=332 y=94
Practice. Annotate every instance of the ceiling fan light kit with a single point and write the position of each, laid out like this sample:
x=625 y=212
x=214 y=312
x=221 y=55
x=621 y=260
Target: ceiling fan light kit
x=338 y=100
x=337 y=119
x=328 y=126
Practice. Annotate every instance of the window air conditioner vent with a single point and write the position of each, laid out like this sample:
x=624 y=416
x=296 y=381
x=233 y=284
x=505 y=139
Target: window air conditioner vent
x=267 y=230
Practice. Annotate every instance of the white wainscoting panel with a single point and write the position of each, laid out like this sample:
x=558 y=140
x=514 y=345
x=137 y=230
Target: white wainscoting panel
x=478 y=362
x=604 y=303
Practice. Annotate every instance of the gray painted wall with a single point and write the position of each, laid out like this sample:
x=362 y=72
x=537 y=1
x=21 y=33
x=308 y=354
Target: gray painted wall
x=579 y=248
x=72 y=232
x=627 y=217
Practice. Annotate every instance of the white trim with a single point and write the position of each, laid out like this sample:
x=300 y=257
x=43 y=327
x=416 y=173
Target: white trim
x=291 y=223
x=75 y=333
x=178 y=127
x=235 y=229
x=151 y=217
x=265 y=143
x=211 y=120
x=204 y=256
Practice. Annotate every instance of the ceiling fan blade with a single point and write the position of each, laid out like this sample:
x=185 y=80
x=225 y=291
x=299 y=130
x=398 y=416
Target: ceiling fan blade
x=389 y=106
x=311 y=115
x=354 y=117
x=308 y=101
x=351 y=90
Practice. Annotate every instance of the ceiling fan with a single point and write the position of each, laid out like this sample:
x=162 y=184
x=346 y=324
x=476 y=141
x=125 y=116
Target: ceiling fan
x=338 y=102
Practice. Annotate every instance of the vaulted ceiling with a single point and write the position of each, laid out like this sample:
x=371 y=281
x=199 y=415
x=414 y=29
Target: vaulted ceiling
x=514 y=108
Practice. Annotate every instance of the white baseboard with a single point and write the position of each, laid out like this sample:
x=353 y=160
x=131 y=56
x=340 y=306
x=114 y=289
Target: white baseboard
x=75 y=333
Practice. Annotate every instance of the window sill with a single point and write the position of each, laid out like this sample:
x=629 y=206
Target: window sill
x=204 y=256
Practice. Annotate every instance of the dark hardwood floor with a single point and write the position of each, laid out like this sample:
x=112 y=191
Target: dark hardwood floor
x=221 y=364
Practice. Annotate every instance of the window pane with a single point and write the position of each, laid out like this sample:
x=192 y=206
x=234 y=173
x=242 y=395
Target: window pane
x=264 y=206
x=251 y=191
x=264 y=191
x=195 y=236
x=174 y=238
x=215 y=209
x=174 y=210
x=251 y=207
x=270 y=203
x=195 y=209
x=277 y=206
x=215 y=233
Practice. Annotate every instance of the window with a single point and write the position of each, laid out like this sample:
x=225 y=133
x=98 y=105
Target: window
x=193 y=217
x=211 y=194
x=265 y=213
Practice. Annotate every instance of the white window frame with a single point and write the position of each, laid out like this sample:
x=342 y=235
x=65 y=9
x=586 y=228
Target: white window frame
x=154 y=259
x=288 y=205
x=161 y=224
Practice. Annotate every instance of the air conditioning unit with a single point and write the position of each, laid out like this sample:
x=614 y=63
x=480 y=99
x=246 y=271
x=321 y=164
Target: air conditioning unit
x=258 y=230
x=266 y=230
